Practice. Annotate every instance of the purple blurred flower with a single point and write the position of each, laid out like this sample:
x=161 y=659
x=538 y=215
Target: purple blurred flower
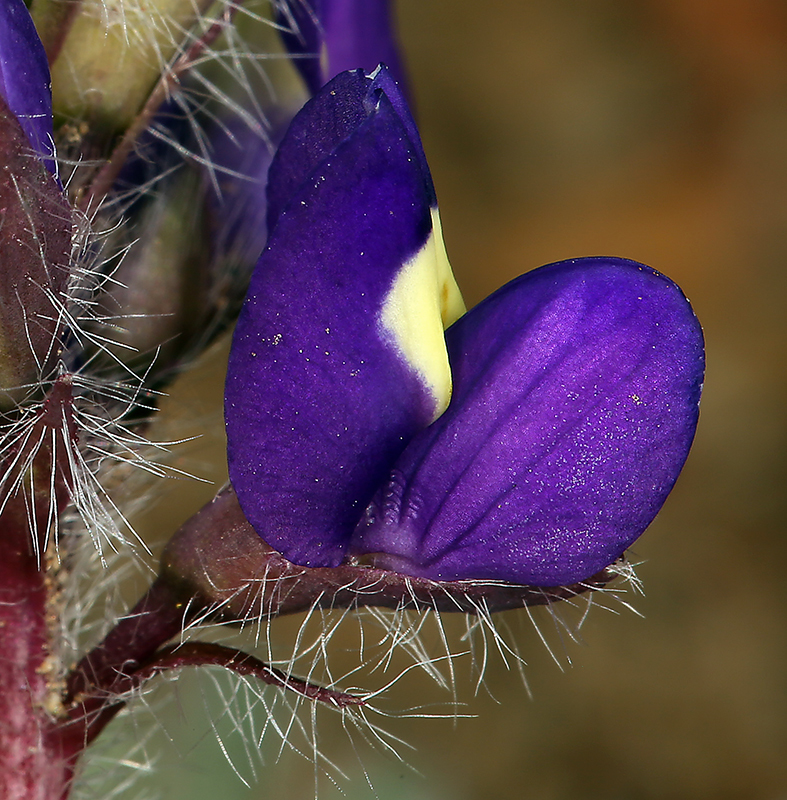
x=24 y=78
x=575 y=387
x=236 y=204
x=332 y=36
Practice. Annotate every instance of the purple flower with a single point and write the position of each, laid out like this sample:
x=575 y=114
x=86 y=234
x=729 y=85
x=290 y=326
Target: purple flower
x=332 y=36
x=24 y=78
x=244 y=138
x=575 y=387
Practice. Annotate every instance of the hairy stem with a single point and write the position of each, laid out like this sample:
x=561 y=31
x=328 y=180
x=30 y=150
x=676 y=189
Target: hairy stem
x=156 y=618
x=208 y=654
x=33 y=763
x=92 y=713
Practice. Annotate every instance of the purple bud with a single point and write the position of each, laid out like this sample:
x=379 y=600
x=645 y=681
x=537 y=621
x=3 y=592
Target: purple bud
x=24 y=78
x=332 y=36
x=237 y=206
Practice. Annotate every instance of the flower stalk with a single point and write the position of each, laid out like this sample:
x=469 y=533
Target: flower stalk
x=33 y=762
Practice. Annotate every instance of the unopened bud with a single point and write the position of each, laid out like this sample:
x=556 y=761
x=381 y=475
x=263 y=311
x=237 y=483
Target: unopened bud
x=112 y=54
x=34 y=258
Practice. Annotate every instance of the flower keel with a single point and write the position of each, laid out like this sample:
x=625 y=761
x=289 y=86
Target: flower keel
x=576 y=400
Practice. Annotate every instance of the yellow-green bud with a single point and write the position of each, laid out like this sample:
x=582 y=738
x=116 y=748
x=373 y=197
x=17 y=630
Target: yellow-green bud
x=112 y=54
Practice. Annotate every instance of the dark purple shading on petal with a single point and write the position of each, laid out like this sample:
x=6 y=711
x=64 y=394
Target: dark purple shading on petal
x=317 y=403
x=330 y=36
x=24 y=77
x=328 y=119
x=322 y=124
x=576 y=392
x=383 y=80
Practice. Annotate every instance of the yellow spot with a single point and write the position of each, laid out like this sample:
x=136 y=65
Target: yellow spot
x=422 y=302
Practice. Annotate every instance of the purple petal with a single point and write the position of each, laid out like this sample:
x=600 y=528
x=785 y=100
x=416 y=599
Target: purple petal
x=319 y=398
x=328 y=119
x=337 y=35
x=325 y=121
x=24 y=77
x=576 y=391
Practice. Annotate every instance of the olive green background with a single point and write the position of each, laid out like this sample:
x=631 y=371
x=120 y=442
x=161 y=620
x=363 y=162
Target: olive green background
x=655 y=130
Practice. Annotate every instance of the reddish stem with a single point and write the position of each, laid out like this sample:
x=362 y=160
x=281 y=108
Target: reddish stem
x=207 y=654
x=31 y=766
x=216 y=563
x=33 y=762
x=92 y=713
x=155 y=619
x=93 y=687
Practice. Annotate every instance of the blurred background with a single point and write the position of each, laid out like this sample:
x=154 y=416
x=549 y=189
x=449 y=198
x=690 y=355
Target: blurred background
x=650 y=129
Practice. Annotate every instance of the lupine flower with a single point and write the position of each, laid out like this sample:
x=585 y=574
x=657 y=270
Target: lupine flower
x=576 y=386
x=507 y=461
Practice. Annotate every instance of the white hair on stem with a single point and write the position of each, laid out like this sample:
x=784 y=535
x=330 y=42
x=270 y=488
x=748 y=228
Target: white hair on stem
x=252 y=722
x=82 y=433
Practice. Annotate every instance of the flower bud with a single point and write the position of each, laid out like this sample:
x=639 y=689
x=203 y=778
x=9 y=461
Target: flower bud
x=24 y=78
x=109 y=55
x=34 y=261
x=158 y=298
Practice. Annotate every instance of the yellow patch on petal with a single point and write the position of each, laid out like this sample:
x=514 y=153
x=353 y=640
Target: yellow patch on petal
x=452 y=305
x=423 y=301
